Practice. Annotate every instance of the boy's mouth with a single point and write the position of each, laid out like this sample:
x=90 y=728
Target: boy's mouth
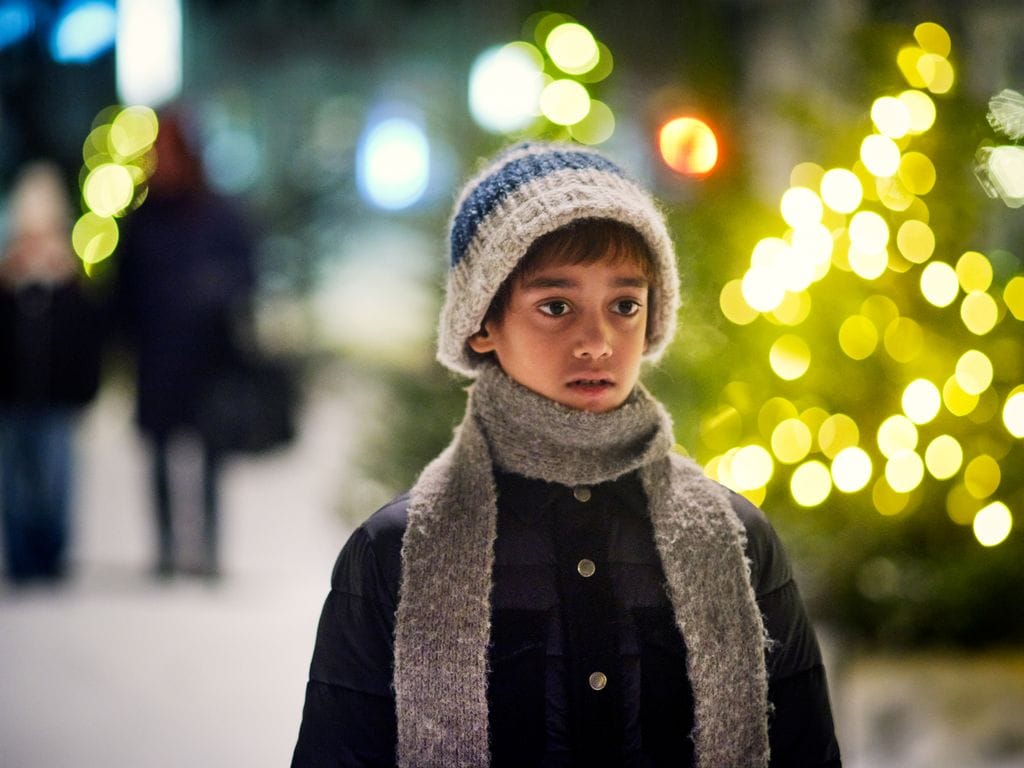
x=591 y=384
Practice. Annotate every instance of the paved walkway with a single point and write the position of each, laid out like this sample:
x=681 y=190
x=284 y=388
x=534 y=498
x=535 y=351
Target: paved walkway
x=116 y=669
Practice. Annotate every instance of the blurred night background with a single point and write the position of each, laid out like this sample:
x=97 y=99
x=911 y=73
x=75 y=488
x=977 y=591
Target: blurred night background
x=844 y=181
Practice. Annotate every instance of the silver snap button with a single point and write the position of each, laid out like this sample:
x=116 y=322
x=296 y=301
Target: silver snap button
x=598 y=680
x=582 y=493
x=586 y=568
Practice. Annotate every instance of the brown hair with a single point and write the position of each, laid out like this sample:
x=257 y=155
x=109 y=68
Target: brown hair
x=582 y=241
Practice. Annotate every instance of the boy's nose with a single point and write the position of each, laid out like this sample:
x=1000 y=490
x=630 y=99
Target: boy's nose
x=594 y=342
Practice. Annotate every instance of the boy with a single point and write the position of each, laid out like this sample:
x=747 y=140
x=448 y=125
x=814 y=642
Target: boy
x=560 y=588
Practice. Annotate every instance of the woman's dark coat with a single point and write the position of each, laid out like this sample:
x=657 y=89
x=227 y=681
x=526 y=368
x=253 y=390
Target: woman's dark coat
x=551 y=625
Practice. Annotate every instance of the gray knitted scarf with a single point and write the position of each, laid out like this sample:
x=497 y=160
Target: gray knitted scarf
x=444 y=611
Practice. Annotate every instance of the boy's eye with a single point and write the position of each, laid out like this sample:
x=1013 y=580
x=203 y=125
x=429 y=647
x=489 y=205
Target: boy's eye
x=555 y=308
x=626 y=307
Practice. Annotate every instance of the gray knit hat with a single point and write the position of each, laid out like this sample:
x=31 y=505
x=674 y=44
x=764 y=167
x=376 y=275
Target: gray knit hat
x=528 y=190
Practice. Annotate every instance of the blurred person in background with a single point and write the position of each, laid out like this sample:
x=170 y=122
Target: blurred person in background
x=50 y=341
x=185 y=270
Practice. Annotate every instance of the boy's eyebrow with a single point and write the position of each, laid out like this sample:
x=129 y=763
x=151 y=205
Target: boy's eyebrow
x=540 y=281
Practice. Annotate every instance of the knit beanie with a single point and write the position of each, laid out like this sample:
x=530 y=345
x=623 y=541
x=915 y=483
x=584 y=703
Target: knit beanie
x=526 y=191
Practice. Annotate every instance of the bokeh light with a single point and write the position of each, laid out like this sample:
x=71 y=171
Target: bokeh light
x=939 y=284
x=851 y=469
x=751 y=468
x=943 y=457
x=734 y=306
x=1013 y=413
x=903 y=339
x=917 y=173
x=1013 y=295
x=957 y=401
x=858 y=337
x=916 y=241
x=597 y=127
x=921 y=109
x=564 y=102
x=810 y=484
x=83 y=31
x=992 y=524
x=393 y=163
x=108 y=189
x=880 y=155
x=94 y=237
x=974 y=372
x=837 y=433
x=789 y=357
x=801 y=207
x=887 y=501
x=904 y=471
x=688 y=146
x=841 y=190
x=505 y=83
x=979 y=312
x=891 y=117
x=896 y=434
x=921 y=401
x=572 y=48
x=982 y=476
x=791 y=441
x=974 y=271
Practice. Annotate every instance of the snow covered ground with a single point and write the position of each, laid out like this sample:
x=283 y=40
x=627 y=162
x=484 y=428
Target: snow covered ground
x=118 y=669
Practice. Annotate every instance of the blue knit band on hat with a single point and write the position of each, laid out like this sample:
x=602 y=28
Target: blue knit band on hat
x=495 y=188
x=525 y=192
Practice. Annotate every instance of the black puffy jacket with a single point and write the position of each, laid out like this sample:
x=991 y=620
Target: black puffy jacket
x=552 y=625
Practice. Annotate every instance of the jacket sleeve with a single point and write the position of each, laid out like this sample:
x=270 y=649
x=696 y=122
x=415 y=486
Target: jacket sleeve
x=801 y=731
x=348 y=718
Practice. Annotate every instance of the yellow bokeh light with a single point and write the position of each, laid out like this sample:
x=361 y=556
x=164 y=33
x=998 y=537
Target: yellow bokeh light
x=916 y=241
x=921 y=108
x=982 y=476
x=734 y=306
x=762 y=288
x=800 y=206
x=917 y=173
x=933 y=38
x=961 y=506
x=791 y=441
x=837 y=433
x=108 y=189
x=979 y=312
x=897 y=433
x=810 y=484
x=1013 y=295
x=572 y=48
x=813 y=244
x=869 y=231
x=993 y=524
x=880 y=309
x=858 y=337
x=806 y=174
x=904 y=471
x=132 y=132
x=921 y=401
x=751 y=467
x=974 y=271
x=794 y=309
x=597 y=127
x=939 y=284
x=880 y=155
x=891 y=117
x=907 y=60
x=603 y=68
x=903 y=340
x=957 y=402
x=974 y=372
x=94 y=237
x=813 y=417
x=789 y=357
x=987 y=408
x=851 y=469
x=774 y=411
x=564 y=102
x=893 y=194
x=1013 y=413
x=869 y=265
x=841 y=190
x=887 y=501
x=943 y=457
x=936 y=72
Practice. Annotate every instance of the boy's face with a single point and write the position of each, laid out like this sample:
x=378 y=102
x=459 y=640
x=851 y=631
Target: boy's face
x=574 y=333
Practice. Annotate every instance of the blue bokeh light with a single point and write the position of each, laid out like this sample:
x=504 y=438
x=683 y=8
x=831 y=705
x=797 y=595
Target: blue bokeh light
x=17 y=20
x=393 y=163
x=85 y=30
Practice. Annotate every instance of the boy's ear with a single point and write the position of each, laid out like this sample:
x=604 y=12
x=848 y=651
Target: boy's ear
x=481 y=341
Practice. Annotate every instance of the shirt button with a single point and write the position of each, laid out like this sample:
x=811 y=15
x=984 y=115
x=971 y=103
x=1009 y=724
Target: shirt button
x=598 y=680
x=582 y=493
x=586 y=568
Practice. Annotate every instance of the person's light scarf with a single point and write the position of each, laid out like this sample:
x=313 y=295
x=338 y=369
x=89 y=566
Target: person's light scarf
x=444 y=613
